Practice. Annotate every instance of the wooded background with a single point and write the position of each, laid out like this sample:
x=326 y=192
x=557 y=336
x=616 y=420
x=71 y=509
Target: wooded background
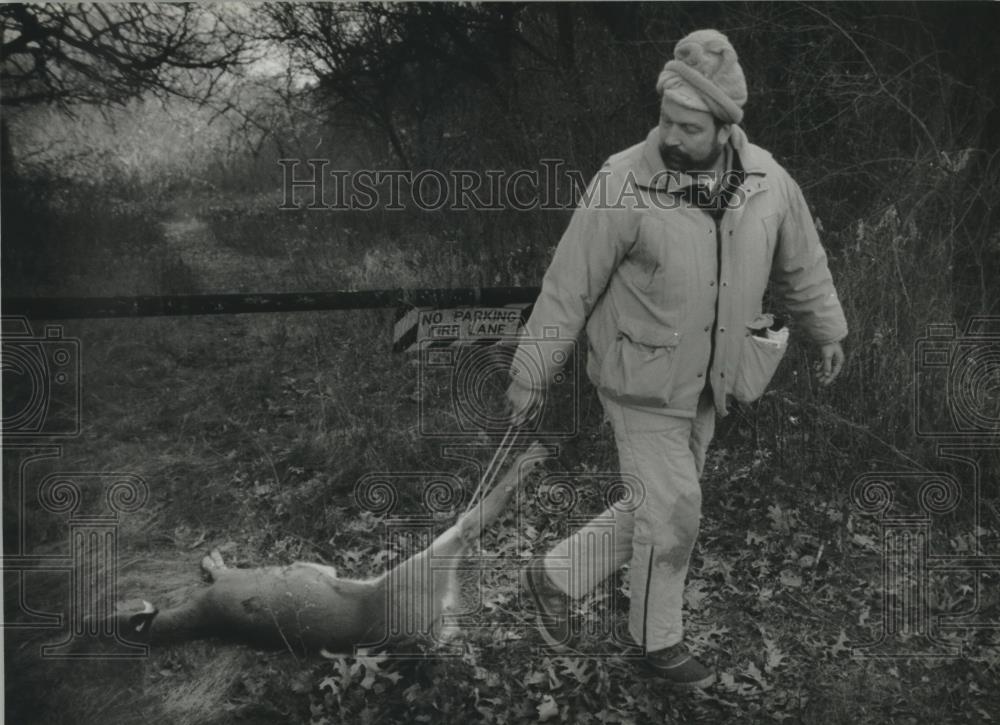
x=140 y=148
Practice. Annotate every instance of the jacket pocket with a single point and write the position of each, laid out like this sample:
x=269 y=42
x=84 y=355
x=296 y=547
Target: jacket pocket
x=758 y=363
x=639 y=366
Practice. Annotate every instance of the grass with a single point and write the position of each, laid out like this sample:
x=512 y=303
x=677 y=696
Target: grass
x=252 y=431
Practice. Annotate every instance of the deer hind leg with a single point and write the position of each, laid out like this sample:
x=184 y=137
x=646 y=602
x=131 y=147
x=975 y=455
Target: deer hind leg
x=213 y=564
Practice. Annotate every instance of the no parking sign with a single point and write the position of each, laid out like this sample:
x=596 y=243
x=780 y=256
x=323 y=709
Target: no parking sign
x=457 y=326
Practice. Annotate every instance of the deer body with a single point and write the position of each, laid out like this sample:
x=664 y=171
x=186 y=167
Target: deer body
x=303 y=607
x=306 y=607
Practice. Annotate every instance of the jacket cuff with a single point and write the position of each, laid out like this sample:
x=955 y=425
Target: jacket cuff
x=522 y=381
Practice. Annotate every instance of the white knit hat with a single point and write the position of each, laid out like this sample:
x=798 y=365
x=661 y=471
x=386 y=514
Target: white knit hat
x=705 y=76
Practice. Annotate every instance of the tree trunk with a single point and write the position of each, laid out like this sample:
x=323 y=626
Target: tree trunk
x=7 y=164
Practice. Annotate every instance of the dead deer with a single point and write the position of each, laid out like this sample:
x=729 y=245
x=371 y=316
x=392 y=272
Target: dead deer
x=306 y=607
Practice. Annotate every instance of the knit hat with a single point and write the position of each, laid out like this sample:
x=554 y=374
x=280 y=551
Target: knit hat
x=705 y=76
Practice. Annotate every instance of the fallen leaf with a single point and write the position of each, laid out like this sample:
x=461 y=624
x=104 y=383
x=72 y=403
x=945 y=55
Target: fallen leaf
x=840 y=645
x=695 y=594
x=369 y=678
x=554 y=682
x=865 y=541
x=576 y=668
x=775 y=657
x=547 y=709
x=535 y=678
x=790 y=579
x=754 y=673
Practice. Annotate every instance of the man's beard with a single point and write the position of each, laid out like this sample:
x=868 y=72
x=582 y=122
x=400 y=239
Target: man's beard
x=676 y=160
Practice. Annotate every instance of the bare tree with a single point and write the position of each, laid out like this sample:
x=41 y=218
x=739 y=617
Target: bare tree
x=66 y=55
x=96 y=53
x=397 y=64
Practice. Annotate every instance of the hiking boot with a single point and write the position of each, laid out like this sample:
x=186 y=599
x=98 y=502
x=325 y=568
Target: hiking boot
x=551 y=606
x=679 y=668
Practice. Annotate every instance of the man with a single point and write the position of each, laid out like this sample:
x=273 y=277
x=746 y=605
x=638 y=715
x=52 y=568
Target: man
x=665 y=263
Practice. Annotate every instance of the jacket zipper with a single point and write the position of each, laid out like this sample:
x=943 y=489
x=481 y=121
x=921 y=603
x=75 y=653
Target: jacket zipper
x=718 y=294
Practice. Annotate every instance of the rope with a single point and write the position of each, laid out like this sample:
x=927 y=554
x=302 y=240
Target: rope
x=496 y=464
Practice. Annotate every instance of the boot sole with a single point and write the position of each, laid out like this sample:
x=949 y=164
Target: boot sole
x=663 y=677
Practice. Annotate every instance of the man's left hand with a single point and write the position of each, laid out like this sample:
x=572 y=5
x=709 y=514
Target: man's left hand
x=831 y=362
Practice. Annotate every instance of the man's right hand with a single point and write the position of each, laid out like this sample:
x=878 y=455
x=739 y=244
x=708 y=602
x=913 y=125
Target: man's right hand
x=525 y=404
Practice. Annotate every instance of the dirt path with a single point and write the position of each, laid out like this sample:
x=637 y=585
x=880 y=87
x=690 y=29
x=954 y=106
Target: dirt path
x=216 y=267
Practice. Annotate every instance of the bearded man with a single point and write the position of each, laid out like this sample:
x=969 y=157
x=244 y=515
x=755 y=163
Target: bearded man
x=665 y=264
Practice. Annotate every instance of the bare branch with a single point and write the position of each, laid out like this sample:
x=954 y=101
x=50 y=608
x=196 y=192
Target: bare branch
x=63 y=54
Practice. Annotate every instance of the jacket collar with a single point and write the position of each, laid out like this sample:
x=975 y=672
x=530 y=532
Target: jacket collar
x=649 y=170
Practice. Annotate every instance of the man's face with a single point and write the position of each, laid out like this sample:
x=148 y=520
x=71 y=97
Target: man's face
x=689 y=140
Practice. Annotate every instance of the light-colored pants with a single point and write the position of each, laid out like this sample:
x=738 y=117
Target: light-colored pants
x=663 y=456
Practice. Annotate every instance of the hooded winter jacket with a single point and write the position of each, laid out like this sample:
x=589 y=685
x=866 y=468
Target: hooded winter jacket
x=658 y=284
